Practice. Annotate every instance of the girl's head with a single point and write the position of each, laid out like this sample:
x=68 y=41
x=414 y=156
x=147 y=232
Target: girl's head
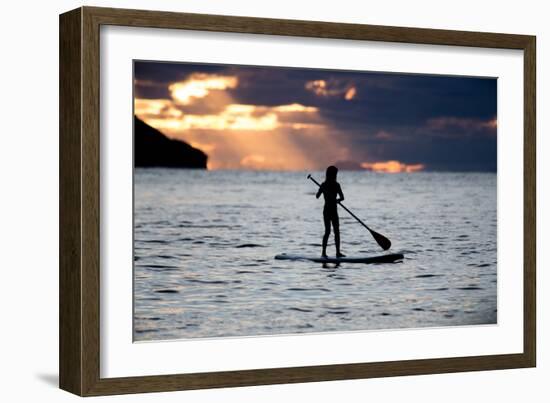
x=332 y=171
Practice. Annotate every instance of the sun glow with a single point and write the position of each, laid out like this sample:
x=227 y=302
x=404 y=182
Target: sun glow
x=392 y=167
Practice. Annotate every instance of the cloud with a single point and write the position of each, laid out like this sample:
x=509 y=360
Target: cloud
x=331 y=88
x=199 y=85
x=166 y=114
x=295 y=107
x=384 y=135
x=392 y=166
x=156 y=108
x=350 y=93
x=450 y=123
x=147 y=83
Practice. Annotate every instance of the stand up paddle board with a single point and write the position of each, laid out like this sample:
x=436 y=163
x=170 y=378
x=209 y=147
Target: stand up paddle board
x=389 y=258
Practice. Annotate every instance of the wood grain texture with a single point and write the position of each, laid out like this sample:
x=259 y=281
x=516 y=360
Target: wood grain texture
x=80 y=201
x=161 y=383
x=70 y=273
x=90 y=202
x=316 y=29
x=530 y=202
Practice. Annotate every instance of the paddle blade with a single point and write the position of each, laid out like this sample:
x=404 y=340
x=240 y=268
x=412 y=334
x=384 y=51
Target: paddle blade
x=384 y=242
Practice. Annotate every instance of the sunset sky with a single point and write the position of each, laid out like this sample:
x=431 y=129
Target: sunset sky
x=300 y=119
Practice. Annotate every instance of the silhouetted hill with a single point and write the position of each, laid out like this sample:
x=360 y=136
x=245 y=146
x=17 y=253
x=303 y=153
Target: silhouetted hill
x=154 y=149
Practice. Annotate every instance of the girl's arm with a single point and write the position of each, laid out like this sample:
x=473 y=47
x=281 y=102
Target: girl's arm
x=319 y=192
x=341 y=194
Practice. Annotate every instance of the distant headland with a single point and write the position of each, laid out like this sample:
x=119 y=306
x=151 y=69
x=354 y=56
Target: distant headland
x=154 y=149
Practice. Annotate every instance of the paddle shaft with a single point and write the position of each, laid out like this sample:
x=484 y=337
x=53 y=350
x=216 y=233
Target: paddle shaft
x=344 y=207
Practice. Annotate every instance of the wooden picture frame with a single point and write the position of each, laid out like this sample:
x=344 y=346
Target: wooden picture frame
x=79 y=280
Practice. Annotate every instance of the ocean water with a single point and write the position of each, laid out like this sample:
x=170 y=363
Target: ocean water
x=205 y=241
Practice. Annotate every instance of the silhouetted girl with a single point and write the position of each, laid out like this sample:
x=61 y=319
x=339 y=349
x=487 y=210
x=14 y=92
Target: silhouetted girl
x=332 y=192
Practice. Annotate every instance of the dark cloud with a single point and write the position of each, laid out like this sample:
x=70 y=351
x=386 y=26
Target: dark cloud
x=153 y=78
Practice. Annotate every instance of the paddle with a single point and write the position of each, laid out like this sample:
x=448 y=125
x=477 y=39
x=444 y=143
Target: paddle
x=384 y=242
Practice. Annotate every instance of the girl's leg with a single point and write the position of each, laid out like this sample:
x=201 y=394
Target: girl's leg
x=336 y=226
x=326 y=220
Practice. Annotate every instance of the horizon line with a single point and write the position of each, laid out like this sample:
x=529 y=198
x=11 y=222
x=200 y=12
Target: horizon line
x=315 y=170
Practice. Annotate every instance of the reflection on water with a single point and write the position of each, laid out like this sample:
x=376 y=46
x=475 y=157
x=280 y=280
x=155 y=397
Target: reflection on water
x=205 y=242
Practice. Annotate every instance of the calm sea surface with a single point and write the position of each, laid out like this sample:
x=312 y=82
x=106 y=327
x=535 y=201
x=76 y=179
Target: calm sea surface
x=205 y=242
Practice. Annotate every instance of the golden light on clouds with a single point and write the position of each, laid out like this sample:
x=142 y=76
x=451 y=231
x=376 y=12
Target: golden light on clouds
x=392 y=166
x=319 y=87
x=306 y=126
x=240 y=109
x=233 y=117
x=350 y=94
x=243 y=136
x=156 y=107
x=324 y=88
x=295 y=107
x=199 y=85
x=164 y=114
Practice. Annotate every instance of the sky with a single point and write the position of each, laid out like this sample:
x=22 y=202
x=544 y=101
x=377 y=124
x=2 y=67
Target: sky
x=278 y=118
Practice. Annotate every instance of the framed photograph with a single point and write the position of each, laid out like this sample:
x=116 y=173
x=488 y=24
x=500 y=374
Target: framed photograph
x=248 y=201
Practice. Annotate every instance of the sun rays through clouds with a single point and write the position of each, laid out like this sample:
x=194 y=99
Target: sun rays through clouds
x=204 y=113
